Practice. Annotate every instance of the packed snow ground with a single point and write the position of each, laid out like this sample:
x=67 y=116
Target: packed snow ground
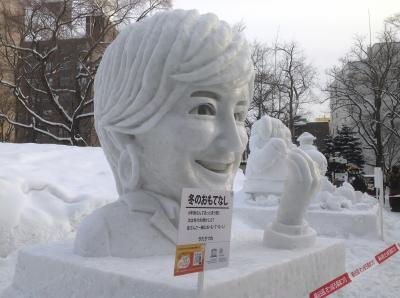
x=45 y=190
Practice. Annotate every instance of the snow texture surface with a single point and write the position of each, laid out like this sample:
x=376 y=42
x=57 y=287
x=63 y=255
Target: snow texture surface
x=84 y=173
x=254 y=271
x=46 y=190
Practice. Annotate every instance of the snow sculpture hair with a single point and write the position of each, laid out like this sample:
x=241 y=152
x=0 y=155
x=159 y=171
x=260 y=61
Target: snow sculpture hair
x=147 y=68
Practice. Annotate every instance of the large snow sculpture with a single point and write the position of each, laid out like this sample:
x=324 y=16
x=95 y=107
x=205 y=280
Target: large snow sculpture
x=267 y=167
x=171 y=97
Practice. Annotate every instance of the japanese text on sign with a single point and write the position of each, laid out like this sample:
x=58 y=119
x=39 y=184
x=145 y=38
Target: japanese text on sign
x=207 y=200
x=205 y=218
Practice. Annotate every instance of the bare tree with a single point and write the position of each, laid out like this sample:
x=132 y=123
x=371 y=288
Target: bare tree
x=265 y=85
x=297 y=81
x=365 y=90
x=9 y=11
x=394 y=20
x=283 y=83
x=54 y=61
x=7 y=107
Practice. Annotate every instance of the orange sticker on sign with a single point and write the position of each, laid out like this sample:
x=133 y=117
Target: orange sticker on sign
x=189 y=259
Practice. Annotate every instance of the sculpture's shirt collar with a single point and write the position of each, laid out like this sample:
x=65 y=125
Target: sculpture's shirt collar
x=165 y=211
x=150 y=202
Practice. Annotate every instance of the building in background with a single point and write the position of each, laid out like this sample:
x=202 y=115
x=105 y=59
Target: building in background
x=11 y=12
x=63 y=68
x=320 y=128
x=365 y=96
x=67 y=70
x=52 y=64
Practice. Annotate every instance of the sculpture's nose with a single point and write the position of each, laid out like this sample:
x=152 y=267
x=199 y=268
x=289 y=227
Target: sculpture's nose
x=230 y=138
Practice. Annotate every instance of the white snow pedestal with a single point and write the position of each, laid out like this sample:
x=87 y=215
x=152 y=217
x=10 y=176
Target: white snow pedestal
x=327 y=223
x=254 y=271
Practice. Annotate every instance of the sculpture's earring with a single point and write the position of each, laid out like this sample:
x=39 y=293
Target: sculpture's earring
x=128 y=168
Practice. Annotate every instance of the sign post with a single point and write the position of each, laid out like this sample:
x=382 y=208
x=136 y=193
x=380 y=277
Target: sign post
x=200 y=284
x=378 y=184
x=204 y=232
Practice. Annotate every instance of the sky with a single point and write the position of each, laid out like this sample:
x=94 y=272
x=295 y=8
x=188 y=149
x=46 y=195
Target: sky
x=324 y=29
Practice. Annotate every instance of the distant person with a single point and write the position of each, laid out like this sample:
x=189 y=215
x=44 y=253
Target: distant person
x=359 y=183
x=394 y=185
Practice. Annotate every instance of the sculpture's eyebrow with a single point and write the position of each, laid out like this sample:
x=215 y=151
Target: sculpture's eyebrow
x=204 y=93
x=242 y=103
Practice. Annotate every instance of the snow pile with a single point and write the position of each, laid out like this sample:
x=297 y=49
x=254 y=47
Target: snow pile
x=329 y=197
x=343 y=197
x=46 y=190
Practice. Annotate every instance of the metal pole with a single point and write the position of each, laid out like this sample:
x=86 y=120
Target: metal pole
x=381 y=211
x=200 y=284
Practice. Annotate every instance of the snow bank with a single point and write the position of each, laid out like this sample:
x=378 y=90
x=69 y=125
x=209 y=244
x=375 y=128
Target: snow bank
x=46 y=190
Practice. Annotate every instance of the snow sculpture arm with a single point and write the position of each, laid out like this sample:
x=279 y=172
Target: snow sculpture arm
x=289 y=229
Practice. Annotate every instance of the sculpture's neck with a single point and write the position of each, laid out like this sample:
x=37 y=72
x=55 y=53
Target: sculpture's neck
x=147 y=201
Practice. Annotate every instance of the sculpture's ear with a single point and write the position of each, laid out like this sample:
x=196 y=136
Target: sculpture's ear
x=120 y=140
x=128 y=162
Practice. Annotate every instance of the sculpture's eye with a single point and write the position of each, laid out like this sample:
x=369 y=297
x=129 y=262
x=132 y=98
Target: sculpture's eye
x=204 y=109
x=240 y=116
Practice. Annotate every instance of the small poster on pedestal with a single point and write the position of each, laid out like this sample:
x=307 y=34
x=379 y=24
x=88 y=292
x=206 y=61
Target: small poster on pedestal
x=204 y=230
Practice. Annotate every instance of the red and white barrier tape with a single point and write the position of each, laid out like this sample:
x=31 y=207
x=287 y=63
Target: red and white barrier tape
x=346 y=278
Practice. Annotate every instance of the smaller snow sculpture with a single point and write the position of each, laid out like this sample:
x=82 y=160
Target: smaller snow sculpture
x=277 y=167
x=289 y=230
x=306 y=141
x=266 y=168
x=328 y=196
x=343 y=197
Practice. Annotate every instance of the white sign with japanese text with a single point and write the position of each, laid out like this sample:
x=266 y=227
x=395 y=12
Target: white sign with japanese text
x=206 y=218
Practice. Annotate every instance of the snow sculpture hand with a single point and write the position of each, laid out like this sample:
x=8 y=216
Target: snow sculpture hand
x=265 y=129
x=289 y=229
x=264 y=159
x=266 y=168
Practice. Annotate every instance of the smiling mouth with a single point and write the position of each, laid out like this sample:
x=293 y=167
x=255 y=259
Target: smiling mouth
x=216 y=167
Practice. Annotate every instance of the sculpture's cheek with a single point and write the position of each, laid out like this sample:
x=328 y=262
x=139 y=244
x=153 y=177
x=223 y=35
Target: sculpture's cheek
x=195 y=135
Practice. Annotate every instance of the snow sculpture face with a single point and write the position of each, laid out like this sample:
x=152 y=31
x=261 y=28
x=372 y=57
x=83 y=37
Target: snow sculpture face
x=171 y=96
x=197 y=144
